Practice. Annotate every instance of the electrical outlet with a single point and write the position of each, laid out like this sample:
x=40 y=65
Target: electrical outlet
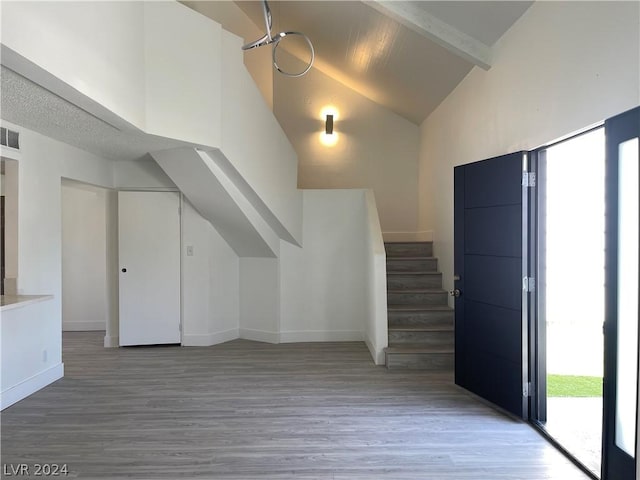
x=189 y=250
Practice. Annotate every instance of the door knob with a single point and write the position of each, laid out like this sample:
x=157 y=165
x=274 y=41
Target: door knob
x=455 y=293
x=124 y=270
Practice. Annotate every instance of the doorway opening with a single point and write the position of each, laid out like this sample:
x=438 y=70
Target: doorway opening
x=86 y=292
x=571 y=295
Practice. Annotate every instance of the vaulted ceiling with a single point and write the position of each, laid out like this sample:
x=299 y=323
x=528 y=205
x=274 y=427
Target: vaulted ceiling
x=406 y=56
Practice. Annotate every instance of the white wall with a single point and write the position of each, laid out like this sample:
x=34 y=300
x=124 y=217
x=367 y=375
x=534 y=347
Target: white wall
x=210 y=287
x=376 y=148
x=562 y=67
x=233 y=19
x=84 y=257
x=95 y=47
x=25 y=348
x=111 y=337
x=183 y=73
x=260 y=299
x=141 y=174
x=323 y=285
x=42 y=165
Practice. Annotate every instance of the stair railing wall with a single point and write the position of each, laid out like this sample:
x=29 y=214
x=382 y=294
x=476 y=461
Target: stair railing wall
x=375 y=333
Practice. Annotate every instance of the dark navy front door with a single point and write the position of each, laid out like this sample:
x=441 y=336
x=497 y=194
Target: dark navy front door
x=490 y=341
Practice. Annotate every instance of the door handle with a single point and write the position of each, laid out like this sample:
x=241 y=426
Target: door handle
x=124 y=270
x=455 y=293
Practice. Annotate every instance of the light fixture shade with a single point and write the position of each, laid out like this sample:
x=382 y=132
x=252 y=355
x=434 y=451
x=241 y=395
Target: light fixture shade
x=328 y=126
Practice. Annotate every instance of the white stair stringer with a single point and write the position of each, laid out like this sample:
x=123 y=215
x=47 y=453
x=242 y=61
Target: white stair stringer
x=256 y=151
x=217 y=198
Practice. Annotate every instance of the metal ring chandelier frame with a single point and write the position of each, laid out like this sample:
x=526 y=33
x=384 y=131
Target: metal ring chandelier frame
x=274 y=41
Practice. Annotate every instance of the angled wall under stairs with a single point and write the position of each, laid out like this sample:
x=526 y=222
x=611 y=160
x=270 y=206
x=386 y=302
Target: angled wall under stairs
x=420 y=320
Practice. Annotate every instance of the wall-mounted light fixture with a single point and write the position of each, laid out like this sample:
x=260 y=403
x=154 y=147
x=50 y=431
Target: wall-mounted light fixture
x=329 y=137
x=328 y=125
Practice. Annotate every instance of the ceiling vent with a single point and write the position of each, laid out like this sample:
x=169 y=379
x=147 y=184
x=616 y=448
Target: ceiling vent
x=9 y=138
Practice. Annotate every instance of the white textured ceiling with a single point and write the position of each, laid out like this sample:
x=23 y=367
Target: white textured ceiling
x=382 y=59
x=31 y=106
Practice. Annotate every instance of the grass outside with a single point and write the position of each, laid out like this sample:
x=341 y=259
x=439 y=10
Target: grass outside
x=573 y=386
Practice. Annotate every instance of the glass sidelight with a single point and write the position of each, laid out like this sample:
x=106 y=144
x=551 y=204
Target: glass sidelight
x=621 y=327
x=627 y=302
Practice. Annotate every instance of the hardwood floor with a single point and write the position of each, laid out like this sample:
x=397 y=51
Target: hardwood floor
x=245 y=410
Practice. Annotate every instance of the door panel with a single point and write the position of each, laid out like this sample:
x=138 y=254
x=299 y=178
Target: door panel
x=496 y=326
x=149 y=256
x=484 y=227
x=493 y=379
x=621 y=298
x=492 y=279
x=488 y=267
x=489 y=183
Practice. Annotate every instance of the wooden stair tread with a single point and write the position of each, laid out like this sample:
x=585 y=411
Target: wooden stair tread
x=413 y=349
x=423 y=328
x=420 y=322
x=419 y=257
x=416 y=290
x=421 y=272
x=418 y=308
x=409 y=242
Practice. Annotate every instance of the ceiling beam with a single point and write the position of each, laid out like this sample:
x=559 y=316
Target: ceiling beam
x=425 y=24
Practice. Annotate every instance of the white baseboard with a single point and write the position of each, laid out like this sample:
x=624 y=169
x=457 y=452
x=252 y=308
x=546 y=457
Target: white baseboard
x=208 y=339
x=376 y=355
x=259 y=335
x=320 y=336
x=423 y=236
x=31 y=385
x=111 y=342
x=83 y=326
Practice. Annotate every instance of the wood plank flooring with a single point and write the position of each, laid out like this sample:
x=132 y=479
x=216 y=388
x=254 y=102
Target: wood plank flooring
x=246 y=410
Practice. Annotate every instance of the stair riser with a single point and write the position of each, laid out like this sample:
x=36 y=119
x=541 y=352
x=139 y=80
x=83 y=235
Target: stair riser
x=414 y=281
x=401 y=298
x=400 y=265
x=421 y=361
x=408 y=249
x=426 y=339
x=424 y=319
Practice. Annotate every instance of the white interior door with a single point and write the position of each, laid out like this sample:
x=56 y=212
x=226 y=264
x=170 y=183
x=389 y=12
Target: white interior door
x=149 y=256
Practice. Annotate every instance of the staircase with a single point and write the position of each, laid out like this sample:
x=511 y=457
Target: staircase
x=420 y=320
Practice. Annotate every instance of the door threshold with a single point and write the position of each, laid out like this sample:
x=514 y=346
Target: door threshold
x=546 y=435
